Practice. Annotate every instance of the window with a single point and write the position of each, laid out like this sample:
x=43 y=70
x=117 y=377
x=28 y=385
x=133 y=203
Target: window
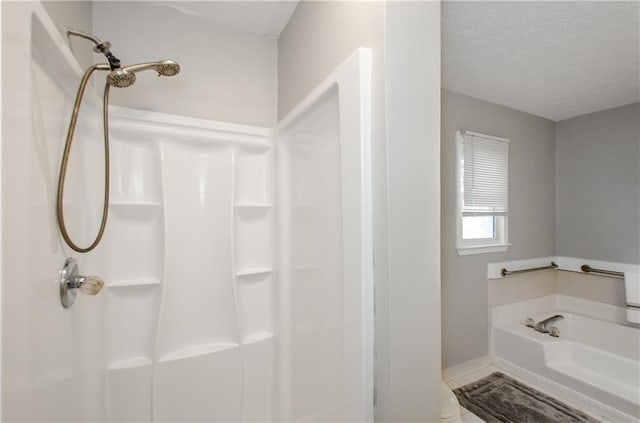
x=483 y=193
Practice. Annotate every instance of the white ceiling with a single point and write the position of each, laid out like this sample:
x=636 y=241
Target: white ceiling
x=553 y=59
x=265 y=18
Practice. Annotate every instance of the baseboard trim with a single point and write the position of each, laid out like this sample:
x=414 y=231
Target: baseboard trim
x=466 y=368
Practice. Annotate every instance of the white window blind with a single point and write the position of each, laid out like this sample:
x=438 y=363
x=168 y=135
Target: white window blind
x=485 y=174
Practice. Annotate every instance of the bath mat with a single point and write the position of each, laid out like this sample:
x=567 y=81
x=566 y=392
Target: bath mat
x=500 y=399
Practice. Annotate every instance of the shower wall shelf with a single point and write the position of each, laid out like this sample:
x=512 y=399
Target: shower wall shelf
x=133 y=283
x=258 y=337
x=134 y=204
x=251 y=273
x=198 y=350
x=256 y=206
x=129 y=363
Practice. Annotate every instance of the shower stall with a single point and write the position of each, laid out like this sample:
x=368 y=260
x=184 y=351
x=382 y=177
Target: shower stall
x=237 y=260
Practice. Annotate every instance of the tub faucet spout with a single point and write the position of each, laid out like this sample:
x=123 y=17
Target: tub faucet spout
x=543 y=325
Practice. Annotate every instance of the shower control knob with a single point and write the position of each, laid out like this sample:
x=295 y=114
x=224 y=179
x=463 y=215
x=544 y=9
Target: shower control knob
x=90 y=285
x=71 y=282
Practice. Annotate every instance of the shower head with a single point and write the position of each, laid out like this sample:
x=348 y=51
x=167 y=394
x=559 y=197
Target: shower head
x=121 y=79
x=126 y=76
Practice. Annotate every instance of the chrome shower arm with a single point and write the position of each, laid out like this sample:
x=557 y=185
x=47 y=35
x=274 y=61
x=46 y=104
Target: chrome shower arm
x=99 y=47
x=97 y=41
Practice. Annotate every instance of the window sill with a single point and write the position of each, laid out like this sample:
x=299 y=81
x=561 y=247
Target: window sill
x=482 y=249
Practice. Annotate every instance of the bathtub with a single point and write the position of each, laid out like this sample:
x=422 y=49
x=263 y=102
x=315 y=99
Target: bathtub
x=595 y=360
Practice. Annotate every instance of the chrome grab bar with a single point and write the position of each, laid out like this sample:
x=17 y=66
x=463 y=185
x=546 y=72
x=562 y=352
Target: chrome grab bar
x=588 y=269
x=505 y=272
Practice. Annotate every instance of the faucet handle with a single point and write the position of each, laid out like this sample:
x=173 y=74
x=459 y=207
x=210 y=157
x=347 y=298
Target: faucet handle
x=541 y=327
x=554 y=331
x=530 y=323
x=90 y=285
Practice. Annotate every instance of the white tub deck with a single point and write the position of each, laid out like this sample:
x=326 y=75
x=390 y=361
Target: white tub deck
x=597 y=354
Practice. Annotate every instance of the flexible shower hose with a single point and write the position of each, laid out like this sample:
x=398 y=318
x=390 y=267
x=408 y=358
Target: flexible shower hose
x=65 y=161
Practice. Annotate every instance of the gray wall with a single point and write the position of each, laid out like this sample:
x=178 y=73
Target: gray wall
x=597 y=185
x=320 y=36
x=226 y=75
x=69 y=14
x=531 y=215
x=73 y=15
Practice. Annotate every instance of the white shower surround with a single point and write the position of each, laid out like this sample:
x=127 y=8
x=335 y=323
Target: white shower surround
x=186 y=327
x=217 y=335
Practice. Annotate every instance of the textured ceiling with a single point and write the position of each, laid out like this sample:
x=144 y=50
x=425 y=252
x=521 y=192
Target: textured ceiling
x=553 y=59
x=266 y=18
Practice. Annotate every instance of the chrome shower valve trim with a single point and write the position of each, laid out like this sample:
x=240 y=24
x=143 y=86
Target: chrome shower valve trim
x=71 y=282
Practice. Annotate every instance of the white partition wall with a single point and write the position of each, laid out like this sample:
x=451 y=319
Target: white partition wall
x=324 y=227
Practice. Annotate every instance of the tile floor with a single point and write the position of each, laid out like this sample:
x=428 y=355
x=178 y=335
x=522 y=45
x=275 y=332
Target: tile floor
x=462 y=380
